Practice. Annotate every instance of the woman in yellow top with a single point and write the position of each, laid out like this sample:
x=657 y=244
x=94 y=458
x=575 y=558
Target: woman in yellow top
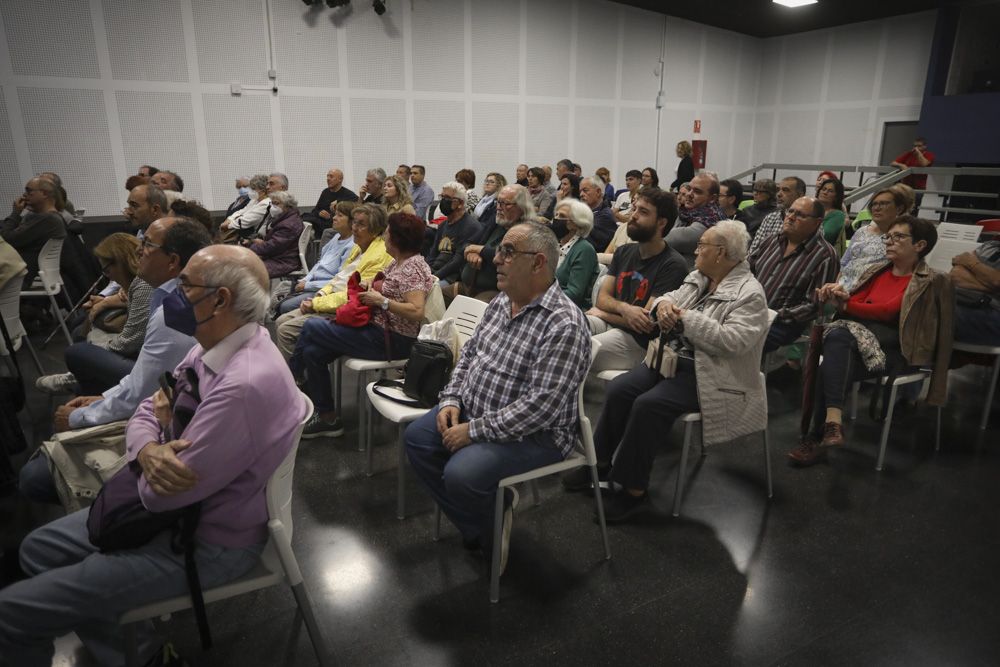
x=396 y=196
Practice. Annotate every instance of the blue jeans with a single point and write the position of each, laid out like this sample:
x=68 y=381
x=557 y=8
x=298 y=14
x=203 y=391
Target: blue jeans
x=977 y=326
x=35 y=481
x=96 y=369
x=292 y=301
x=781 y=334
x=465 y=483
x=323 y=341
x=68 y=575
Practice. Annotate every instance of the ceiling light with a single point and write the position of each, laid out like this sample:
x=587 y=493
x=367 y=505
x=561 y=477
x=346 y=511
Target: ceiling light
x=795 y=3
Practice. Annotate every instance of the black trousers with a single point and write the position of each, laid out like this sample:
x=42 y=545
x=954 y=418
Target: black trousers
x=842 y=366
x=639 y=409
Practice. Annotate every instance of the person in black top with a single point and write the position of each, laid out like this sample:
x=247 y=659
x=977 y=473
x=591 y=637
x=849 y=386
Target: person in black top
x=27 y=234
x=334 y=191
x=685 y=170
x=639 y=273
x=605 y=225
x=765 y=192
x=452 y=235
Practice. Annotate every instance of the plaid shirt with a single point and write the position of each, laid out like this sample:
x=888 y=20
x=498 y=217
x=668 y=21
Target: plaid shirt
x=769 y=226
x=520 y=375
x=790 y=283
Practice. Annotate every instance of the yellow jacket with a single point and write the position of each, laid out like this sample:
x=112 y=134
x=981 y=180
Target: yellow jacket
x=372 y=261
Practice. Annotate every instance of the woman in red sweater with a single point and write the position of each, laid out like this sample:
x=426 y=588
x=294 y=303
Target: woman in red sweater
x=864 y=339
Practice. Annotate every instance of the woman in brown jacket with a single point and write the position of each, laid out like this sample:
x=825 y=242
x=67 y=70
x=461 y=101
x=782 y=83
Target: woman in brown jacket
x=898 y=318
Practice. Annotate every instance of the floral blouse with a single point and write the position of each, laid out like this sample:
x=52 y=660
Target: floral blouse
x=410 y=275
x=866 y=248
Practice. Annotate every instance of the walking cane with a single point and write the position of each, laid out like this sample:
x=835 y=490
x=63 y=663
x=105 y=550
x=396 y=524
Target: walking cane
x=89 y=293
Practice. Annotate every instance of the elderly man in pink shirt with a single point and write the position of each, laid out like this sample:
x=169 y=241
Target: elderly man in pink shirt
x=243 y=423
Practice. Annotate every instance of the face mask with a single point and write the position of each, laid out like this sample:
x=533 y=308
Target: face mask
x=559 y=227
x=178 y=312
x=244 y=191
x=446 y=207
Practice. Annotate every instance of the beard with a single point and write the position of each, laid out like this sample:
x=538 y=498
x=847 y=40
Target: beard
x=640 y=234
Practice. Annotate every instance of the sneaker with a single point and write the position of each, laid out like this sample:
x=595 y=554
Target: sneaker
x=806 y=453
x=833 y=435
x=579 y=479
x=60 y=383
x=167 y=656
x=317 y=428
x=622 y=506
x=508 y=521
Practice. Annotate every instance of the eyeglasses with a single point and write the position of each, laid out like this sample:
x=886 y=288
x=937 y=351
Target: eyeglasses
x=880 y=204
x=146 y=243
x=357 y=224
x=698 y=246
x=895 y=237
x=105 y=265
x=506 y=252
x=504 y=204
x=760 y=192
x=798 y=215
x=561 y=217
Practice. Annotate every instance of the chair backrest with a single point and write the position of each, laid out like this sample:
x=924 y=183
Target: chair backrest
x=48 y=264
x=466 y=312
x=279 y=487
x=304 y=239
x=585 y=441
x=991 y=225
x=10 y=302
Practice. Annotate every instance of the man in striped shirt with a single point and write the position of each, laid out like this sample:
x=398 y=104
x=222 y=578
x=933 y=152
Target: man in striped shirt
x=791 y=265
x=511 y=404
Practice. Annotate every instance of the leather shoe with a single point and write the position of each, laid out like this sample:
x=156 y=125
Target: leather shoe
x=833 y=435
x=806 y=453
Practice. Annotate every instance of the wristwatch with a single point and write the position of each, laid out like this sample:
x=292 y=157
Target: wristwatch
x=385 y=304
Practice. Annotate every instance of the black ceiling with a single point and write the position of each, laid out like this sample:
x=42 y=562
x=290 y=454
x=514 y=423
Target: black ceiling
x=763 y=18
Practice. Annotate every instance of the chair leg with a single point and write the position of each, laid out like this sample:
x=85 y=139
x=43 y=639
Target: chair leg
x=401 y=478
x=682 y=469
x=131 y=646
x=497 y=538
x=59 y=316
x=34 y=355
x=855 y=389
x=437 y=522
x=368 y=443
x=937 y=432
x=534 y=493
x=362 y=413
x=337 y=397
x=767 y=463
x=885 y=428
x=989 y=394
x=599 y=501
x=305 y=608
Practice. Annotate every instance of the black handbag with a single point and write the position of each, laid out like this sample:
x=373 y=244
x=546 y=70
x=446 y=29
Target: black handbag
x=426 y=374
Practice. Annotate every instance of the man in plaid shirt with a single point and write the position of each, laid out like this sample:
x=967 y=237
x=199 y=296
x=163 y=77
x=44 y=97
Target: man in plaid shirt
x=511 y=404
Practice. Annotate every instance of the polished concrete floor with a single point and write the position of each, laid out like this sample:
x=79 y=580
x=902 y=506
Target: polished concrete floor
x=843 y=566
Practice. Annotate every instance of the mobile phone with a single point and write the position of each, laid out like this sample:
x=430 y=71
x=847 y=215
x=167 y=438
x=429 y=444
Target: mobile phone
x=167 y=382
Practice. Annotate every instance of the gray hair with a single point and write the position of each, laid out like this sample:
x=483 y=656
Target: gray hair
x=580 y=214
x=596 y=181
x=460 y=191
x=284 y=199
x=540 y=238
x=377 y=172
x=522 y=199
x=258 y=183
x=281 y=177
x=734 y=238
x=156 y=197
x=250 y=299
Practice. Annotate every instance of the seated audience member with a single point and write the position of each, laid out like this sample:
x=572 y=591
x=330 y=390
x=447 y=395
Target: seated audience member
x=789 y=189
x=976 y=276
x=898 y=317
x=403 y=171
x=396 y=196
x=371 y=190
x=247 y=220
x=11 y=267
x=486 y=209
x=868 y=243
x=765 y=193
x=479 y=273
x=684 y=197
x=467 y=178
x=246 y=412
x=569 y=187
x=134 y=181
x=334 y=191
x=29 y=232
x=540 y=196
x=421 y=193
x=791 y=266
x=145 y=204
x=279 y=245
x=511 y=403
x=368 y=257
x=333 y=256
x=242 y=196
x=823 y=176
x=650 y=179
x=547 y=170
x=452 y=235
x=701 y=213
x=605 y=225
x=191 y=209
x=95 y=368
x=730 y=196
x=830 y=194
x=167 y=247
x=397 y=312
x=578 y=170
x=716 y=322
x=521 y=175
x=623 y=204
x=604 y=174
x=147 y=171
x=577 y=266
x=167 y=180
x=685 y=169
x=639 y=273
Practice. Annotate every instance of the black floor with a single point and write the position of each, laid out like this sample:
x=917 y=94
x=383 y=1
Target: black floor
x=843 y=566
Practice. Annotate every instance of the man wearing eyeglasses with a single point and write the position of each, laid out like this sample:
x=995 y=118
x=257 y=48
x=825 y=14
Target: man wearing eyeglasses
x=791 y=266
x=452 y=235
x=479 y=276
x=789 y=189
x=511 y=403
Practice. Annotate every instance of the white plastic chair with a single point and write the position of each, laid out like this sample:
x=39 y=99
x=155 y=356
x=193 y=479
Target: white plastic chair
x=10 y=303
x=277 y=564
x=305 y=238
x=993 y=350
x=50 y=283
x=584 y=455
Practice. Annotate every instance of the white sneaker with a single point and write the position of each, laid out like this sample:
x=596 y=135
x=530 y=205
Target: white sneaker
x=60 y=383
x=508 y=521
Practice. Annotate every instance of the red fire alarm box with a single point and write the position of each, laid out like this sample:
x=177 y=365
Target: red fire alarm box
x=699 y=152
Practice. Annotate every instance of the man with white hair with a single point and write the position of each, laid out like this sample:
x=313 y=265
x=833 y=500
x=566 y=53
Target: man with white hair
x=479 y=275
x=605 y=225
x=334 y=191
x=240 y=413
x=371 y=189
x=452 y=235
x=242 y=195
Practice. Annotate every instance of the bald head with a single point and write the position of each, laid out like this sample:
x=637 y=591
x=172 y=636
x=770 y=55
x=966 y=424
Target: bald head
x=334 y=179
x=802 y=219
x=242 y=259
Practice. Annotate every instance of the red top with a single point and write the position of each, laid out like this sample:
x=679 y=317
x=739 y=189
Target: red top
x=881 y=298
x=915 y=181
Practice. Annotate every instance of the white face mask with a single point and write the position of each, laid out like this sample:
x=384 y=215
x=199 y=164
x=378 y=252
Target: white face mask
x=244 y=191
x=276 y=211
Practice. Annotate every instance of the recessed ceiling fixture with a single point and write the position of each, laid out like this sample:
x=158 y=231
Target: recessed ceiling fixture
x=794 y=3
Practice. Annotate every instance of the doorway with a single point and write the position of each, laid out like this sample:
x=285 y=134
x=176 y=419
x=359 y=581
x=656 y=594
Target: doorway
x=897 y=138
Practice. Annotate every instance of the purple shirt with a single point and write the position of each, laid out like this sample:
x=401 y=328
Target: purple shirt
x=240 y=433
